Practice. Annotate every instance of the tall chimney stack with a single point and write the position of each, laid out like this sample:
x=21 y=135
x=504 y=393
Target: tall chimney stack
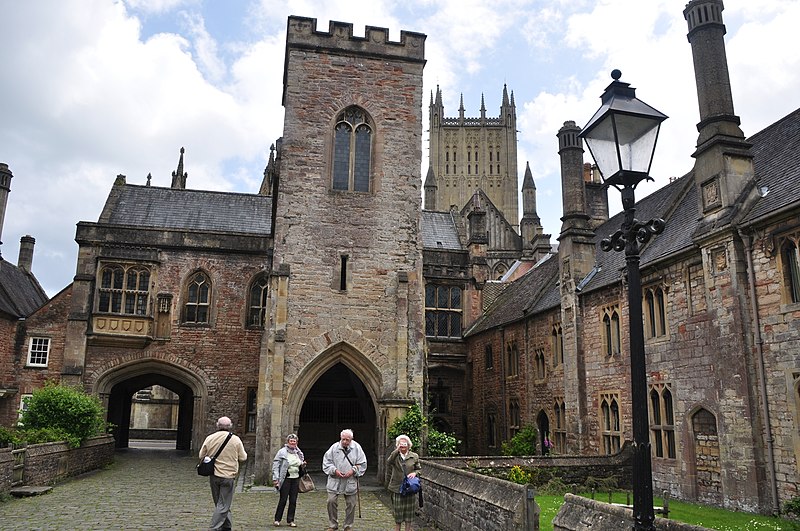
x=723 y=164
x=25 y=260
x=5 y=189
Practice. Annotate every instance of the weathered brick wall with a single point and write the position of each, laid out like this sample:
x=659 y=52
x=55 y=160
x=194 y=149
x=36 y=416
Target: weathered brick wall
x=462 y=500
x=780 y=331
x=9 y=404
x=49 y=463
x=48 y=321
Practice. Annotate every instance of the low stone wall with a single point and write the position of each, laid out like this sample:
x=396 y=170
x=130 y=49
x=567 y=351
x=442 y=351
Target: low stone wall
x=461 y=500
x=573 y=470
x=583 y=514
x=158 y=434
x=49 y=463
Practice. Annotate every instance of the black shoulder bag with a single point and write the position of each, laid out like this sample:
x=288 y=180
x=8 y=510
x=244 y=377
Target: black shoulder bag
x=206 y=468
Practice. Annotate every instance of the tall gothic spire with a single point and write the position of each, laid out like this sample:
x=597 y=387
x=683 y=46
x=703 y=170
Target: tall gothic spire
x=179 y=176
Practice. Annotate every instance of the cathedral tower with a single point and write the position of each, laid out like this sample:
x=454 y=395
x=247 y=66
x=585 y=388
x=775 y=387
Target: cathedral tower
x=467 y=154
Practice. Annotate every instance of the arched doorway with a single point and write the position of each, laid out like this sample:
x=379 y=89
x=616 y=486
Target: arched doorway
x=706 y=462
x=543 y=425
x=117 y=385
x=121 y=398
x=337 y=400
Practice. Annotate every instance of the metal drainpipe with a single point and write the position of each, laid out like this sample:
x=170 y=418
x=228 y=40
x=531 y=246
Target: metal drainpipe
x=503 y=384
x=759 y=343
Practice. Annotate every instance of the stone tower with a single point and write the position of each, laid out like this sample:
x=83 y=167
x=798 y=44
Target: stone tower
x=346 y=308
x=471 y=153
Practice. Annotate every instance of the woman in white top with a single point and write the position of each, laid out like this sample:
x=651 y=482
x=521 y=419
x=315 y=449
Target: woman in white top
x=286 y=478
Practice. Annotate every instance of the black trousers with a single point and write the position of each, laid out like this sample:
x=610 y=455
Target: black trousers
x=289 y=489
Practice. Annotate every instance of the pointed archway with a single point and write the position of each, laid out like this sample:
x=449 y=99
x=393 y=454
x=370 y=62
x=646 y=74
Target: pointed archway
x=337 y=400
x=543 y=425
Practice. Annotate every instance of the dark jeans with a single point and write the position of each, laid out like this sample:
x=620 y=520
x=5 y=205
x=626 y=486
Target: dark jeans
x=289 y=489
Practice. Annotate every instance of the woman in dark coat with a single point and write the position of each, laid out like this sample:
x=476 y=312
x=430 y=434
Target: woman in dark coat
x=402 y=462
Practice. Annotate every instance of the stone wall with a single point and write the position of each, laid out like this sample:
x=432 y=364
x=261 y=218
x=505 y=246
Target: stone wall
x=573 y=470
x=458 y=499
x=578 y=514
x=50 y=463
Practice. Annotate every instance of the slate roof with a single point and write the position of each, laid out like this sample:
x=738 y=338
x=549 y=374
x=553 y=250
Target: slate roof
x=20 y=292
x=776 y=152
x=439 y=231
x=191 y=210
x=530 y=293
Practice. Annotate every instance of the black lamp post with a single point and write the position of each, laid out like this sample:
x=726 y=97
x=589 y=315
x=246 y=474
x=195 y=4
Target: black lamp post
x=621 y=137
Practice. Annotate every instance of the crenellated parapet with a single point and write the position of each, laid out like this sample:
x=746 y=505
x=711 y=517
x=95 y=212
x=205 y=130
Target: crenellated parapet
x=302 y=33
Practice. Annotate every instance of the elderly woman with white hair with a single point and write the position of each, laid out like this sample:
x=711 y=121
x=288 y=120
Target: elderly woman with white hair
x=402 y=462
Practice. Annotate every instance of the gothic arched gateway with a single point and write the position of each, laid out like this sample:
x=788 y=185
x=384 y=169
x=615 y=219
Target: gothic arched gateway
x=117 y=386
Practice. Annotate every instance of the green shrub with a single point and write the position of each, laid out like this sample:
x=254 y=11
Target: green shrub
x=413 y=423
x=8 y=437
x=792 y=506
x=45 y=435
x=63 y=409
x=523 y=443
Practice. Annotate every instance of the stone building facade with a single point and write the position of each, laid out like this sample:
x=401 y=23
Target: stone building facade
x=720 y=298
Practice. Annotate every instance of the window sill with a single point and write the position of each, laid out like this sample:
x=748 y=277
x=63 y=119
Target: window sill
x=790 y=307
x=35 y=366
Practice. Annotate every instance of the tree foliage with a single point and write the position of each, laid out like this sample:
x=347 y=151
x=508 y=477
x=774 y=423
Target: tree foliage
x=64 y=412
x=523 y=443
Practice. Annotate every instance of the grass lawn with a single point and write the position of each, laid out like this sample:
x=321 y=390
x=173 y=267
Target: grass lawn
x=702 y=515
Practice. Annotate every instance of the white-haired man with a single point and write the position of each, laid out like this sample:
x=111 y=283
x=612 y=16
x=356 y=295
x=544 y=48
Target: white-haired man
x=225 y=469
x=344 y=463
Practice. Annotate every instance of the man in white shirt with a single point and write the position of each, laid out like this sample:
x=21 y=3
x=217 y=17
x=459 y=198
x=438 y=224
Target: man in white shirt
x=225 y=469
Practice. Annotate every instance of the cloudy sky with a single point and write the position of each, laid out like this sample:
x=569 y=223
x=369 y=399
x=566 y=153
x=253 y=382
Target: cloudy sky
x=96 y=88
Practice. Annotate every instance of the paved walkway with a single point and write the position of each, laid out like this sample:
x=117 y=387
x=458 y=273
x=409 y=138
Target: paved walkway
x=159 y=489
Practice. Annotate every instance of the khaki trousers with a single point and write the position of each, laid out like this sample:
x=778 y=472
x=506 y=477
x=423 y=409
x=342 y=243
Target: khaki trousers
x=333 y=509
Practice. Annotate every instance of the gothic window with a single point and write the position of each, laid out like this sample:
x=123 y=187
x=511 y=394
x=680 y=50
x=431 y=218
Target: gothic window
x=352 y=150
x=257 y=303
x=38 y=351
x=469 y=155
x=560 y=431
x=790 y=256
x=198 y=299
x=514 y=417
x=469 y=169
x=442 y=311
x=512 y=359
x=655 y=312
x=488 y=357
x=662 y=421
x=498 y=169
x=610 y=430
x=490 y=169
x=476 y=157
x=447 y=156
x=490 y=156
x=250 y=426
x=491 y=430
x=558 y=345
x=611 y=340
x=123 y=289
x=541 y=365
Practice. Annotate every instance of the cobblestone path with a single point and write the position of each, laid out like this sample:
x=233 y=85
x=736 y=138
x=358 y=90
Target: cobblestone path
x=159 y=489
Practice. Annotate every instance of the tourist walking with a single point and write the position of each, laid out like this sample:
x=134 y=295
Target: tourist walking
x=344 y=462
x=401 y=463
x=225 y=469
x=286 y=472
